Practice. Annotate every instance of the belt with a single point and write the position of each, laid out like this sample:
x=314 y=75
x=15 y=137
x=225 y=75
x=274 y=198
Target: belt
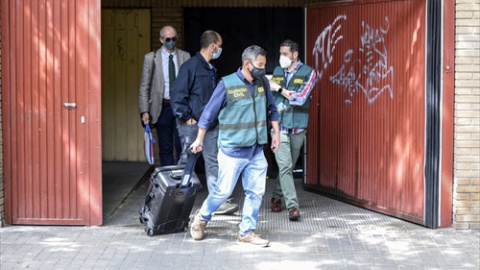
x=166 y=100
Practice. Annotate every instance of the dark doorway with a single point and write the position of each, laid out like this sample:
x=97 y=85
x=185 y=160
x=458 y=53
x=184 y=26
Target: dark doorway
x=242 y=27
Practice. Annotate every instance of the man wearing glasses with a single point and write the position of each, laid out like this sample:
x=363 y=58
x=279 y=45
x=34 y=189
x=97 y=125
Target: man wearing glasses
x=160 y=69
x=197 y=78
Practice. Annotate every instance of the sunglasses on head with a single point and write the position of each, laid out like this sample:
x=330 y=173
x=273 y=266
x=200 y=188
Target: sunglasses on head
x=170 y=39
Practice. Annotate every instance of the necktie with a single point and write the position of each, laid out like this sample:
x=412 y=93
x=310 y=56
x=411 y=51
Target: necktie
x=171 y=71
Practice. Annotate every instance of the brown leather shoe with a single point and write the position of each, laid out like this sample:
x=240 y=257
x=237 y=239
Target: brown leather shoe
x=276 y=205
x=293 y=214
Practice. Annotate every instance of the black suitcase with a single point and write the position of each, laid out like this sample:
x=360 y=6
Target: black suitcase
x=170 y=198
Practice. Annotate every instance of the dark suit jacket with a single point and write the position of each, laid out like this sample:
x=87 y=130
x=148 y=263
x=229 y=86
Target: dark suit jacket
x=150 y=98
x=193 y=88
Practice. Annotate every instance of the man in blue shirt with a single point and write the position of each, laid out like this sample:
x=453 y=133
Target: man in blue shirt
x=243 y=104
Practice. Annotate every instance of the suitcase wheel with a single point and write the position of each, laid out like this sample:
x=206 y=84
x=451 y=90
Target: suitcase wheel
x=150 y=232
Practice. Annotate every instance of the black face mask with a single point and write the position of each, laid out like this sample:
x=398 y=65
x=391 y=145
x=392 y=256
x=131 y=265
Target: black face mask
x=170 y=45
x=257 y=73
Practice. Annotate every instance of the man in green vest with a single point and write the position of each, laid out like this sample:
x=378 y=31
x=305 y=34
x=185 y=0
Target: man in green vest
x=243 y=103
x=292 y=83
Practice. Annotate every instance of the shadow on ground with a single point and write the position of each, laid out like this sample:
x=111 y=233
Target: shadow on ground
x=125 y=185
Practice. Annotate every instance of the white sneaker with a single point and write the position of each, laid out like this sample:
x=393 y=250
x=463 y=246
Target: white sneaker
x=252 y=239
x=197 y=229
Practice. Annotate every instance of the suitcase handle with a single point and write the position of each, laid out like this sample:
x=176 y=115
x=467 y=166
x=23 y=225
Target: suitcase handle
x=167 y=168
x=149 y=197
x=189 y=169
x=177 y=174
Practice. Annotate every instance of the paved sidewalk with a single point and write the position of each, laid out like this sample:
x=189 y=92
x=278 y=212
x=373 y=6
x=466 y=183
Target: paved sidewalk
x=34 y=247
x=330 y=235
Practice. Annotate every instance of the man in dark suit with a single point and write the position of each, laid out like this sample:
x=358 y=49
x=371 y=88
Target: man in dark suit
x=160 y=69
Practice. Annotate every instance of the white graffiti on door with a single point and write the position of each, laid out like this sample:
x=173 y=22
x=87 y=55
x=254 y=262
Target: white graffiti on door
x=369 y=72
x=325 y=45
x=365 y=73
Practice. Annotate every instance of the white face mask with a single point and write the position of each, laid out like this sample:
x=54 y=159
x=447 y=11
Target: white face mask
x=285 y=62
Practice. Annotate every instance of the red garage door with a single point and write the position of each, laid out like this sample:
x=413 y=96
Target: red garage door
x=366 y=139
x=51 y=111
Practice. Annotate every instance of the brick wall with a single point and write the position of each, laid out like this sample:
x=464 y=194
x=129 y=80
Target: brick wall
x=170 y=12
x=166 y=16
x=466 y=194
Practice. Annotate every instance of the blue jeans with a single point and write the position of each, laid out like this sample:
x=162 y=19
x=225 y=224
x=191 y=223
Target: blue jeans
x=167 y=136
x=254 y=172
x=188 y=134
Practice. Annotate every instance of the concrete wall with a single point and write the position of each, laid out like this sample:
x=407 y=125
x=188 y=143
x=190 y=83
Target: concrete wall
x=466 y=194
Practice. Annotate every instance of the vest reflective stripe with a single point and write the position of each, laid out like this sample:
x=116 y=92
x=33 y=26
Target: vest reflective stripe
x=292 y=116
x=243 y=120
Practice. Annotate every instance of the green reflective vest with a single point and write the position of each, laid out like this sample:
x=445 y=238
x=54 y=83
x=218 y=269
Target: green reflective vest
x=243 y=121
x=291 y=116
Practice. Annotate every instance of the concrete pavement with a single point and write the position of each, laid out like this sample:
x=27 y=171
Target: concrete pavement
x=109 y=247
x=330 y=235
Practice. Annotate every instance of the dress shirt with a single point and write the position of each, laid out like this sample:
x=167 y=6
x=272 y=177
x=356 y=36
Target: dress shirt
x=166 y=78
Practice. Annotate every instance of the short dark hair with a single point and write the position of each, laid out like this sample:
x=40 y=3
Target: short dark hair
x=294 y=47
x=208 y=37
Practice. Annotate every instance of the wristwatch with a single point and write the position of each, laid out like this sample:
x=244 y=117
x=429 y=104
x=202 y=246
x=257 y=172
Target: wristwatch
x=280 y=90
